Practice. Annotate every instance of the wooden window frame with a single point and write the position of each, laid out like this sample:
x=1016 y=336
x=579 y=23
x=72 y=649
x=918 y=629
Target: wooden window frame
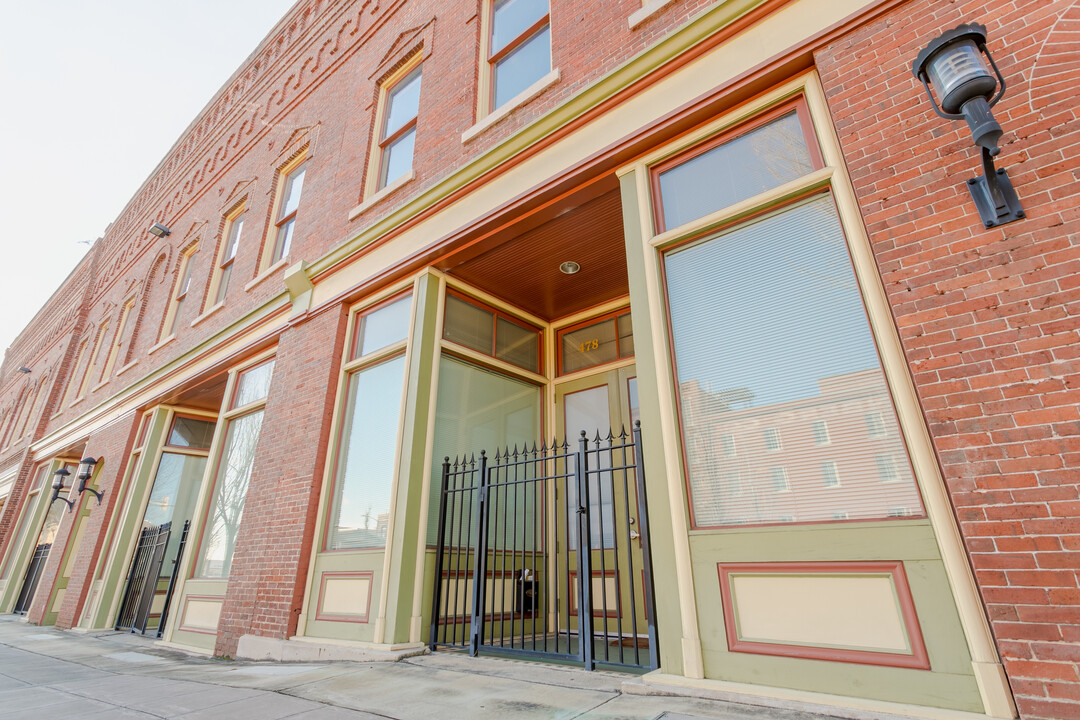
x=375 y=181
x=497 y=313
x=283 y=181
x=802 y=111
x=180 y=292
x=118 y=339
x=219 y=283
x=595 y=320
x=489 y=66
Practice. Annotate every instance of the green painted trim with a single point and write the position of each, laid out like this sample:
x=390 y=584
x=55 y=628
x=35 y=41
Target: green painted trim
x=21 y=558
x=410 y=528
x=125 y=537
x=834 y=542
x=647 y=336
x=223 y=337
x=340 y=561
x=692 y=33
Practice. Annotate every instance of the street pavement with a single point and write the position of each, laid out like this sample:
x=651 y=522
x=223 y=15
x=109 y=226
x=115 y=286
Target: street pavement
x=46 y=674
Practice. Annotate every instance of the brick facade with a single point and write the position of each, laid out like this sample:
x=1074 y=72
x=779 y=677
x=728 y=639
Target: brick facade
x=988 y=318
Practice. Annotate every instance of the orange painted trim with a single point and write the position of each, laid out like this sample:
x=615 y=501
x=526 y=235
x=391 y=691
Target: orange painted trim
x=916 y=659
x=360 y=618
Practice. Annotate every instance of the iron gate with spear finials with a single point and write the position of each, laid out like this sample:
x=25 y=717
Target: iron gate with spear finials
x=517 y=534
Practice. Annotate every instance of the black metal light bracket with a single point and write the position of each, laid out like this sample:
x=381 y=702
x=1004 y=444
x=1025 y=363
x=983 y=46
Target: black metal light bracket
x=993 y=193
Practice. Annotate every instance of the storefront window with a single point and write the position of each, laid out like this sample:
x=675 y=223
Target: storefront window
x=367 y=459
x=775 y=357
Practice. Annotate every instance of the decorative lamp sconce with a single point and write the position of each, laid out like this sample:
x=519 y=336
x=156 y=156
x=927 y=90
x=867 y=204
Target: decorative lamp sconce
x=953 y=64
x=58 y=484
x=86 y=471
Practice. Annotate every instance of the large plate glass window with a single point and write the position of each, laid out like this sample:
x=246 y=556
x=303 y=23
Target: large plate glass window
x=370 y=425
x=233 y=471
x=786 y=413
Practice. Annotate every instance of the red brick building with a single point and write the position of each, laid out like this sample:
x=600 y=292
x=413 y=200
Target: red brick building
x=409 y=230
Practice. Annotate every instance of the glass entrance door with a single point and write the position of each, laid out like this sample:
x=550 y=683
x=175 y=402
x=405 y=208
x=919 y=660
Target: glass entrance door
x=602 y=403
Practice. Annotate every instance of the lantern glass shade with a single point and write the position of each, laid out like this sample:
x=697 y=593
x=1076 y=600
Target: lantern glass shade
x=58 y=478
x=959 y=74
x=86 y=468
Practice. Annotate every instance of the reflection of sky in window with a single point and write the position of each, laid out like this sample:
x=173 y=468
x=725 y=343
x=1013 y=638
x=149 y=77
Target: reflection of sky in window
x=370 y=454
x=771 y=307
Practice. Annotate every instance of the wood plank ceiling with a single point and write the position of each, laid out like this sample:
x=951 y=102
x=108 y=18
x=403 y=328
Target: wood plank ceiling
x=523 y=268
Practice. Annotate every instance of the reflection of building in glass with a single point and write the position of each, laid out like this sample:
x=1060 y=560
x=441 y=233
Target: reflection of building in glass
x=808 y=460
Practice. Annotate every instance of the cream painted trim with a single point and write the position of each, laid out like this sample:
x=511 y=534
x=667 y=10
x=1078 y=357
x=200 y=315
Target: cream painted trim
x=200 y=510
x=648 y=9
x=266 y=273
x=602 y=309
x=510 y=105
x=377 y=197
x=843 y=706
x=372 y=192
x=483 y=72
x=208 y=313
x=594 y=369
x=157 y=347
x=693 y=660
x=379 y=634
x=238 y=210
x=807 y=183
x=976 y=628
x=123 y=370
x=334 y=445
x=280 y=177
x=997 y=700
x=479 y=358
x=416 y=628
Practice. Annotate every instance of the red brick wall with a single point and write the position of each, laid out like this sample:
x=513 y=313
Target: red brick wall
x=988 y=318
x=269 y=570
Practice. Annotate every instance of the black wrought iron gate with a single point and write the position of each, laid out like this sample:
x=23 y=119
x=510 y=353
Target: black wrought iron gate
x=519 y=531
x=143 y=579
x=33 y=574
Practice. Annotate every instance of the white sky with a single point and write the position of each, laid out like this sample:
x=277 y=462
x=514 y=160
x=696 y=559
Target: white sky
x=93 y=93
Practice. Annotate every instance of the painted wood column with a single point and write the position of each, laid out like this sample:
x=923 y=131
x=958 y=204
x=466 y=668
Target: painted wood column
x=409 y=528
x=677 y=626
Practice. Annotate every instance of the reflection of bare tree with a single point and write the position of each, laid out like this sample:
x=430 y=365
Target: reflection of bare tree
x=234 y=474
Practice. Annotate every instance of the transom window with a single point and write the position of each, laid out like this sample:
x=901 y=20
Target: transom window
x=520 y=47
x=766 y=154
x=292 y=187
x=596 y=342
x=491 y=332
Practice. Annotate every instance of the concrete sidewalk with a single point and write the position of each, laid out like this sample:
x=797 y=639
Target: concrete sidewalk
x=45 y=673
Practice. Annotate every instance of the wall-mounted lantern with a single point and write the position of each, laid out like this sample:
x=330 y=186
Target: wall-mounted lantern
x=85 y=472
x=953 y=64
x=58 y=485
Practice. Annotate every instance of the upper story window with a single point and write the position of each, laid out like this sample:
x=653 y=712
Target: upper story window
x=291 y=186
x=234 y=227
x=183 y=284
x=399 y=105
x=118 y=339
x=520 y=47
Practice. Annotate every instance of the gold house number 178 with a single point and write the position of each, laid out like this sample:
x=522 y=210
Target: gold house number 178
x=590 y=345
